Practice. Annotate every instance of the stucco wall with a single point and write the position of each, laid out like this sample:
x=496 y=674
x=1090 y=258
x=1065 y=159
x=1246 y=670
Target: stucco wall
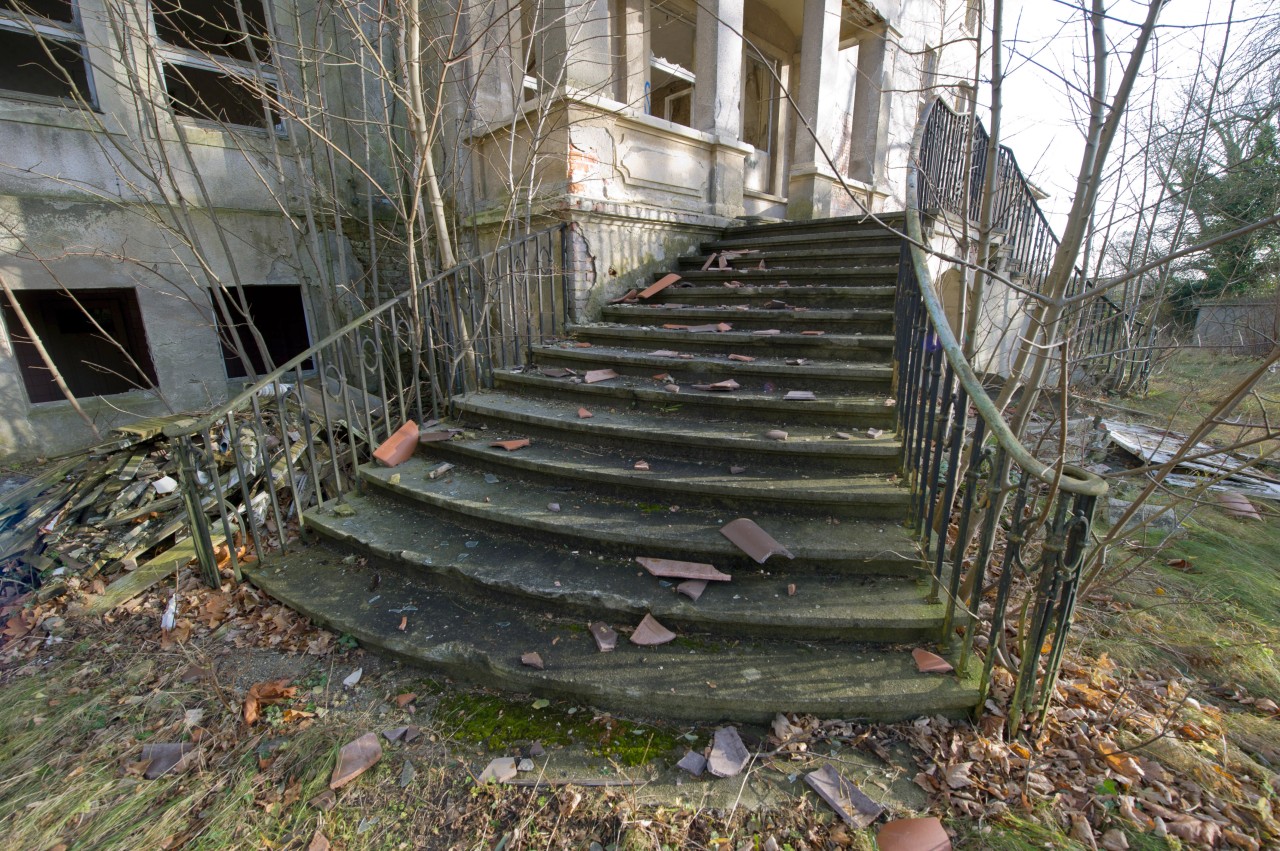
x=1243 y=326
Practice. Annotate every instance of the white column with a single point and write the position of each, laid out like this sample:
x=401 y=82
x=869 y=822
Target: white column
x=870 y=110
x=577 y=48
x=819 y=52
x=717 y=95
x=632 y=40
x=493 y=70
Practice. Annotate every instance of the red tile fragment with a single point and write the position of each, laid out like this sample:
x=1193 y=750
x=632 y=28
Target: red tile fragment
x=435 y=436
x=760 y=267
x=662 y=376
x=914 y=834
x=399 y=447
x=847 y=800
x=723 y=327
x=628 y=298
x=499 y=770
x=1237 y=505
x=692 y=588
x=797 y=361
x=650 y=633
x=873 y=433
x=682 y=569
x=642 y=466
x=844 y=435
x=672 y=388
x=701 y=329
x=734 y=471
x=670 y=326
x=741 y=358
x=659 y=285
x=685 y=357
x=582 y=345
x=775 y=304
x=769 y=332
x=665 y=353
x=800 y=396
x=355 y=759
x=597 y=375
x=606 y=639
x=532 y=660
x=813 y=333
x=930 y=663
x=791 y=589
x=556 y=371
x=584 y=414
x=728 y=754
x=747 y=536
x=511 y=445
x=732 y=284
x=728 y=384
x=776 y=434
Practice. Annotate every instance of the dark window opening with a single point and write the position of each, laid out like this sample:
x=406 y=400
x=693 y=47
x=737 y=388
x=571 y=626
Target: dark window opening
x=53 y=10
x=277 y=314
x=95 y=338
x=41 y=65
x=214 y=27
x=215 y=96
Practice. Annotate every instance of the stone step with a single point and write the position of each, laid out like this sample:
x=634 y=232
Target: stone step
x=820 y=228
x=862 y=378
x=695 y=677
x=809 y=295
x=848 y=347
x=673 y=433
x=626 y=527
x=872 y=238
x=831 y=320
x=766 y=483
x=758 y=400
x=853 y=277
x=800 y=258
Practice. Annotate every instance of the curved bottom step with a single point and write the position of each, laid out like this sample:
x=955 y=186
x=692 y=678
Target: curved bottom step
x=691 y=678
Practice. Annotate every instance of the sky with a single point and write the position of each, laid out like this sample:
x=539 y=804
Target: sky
x=1048 y=41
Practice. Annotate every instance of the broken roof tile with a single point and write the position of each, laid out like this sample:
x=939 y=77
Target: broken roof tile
x=660 y=285
x=800 y=396
x=747 y=536
x=556 y=371
x=650 y=633
x=628 y=298
x=768 y=332
x=728 y=754
x=355 y=759
x=692 y=588
x=741 y=358
x=847 y=800
x=693 y=762
x=672 y=388
x=681 y=569
x=698 y=329
x=641 y=465
x=532 y=660
x=511 y=445
x=672 y=326
x=914 y=834
x=776 y=434
x=399 y=447
x=499 y=770
x=606 y=639
x=435 y=436
x=665 y=353
x=584 y=414
x=930 y=663
x=813 y=333
x=596 y=375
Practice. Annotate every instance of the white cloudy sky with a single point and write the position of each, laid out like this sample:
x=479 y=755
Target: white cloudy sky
x=1042 y=115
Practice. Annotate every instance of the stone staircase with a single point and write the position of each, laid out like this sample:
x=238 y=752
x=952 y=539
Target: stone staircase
x=514 y=552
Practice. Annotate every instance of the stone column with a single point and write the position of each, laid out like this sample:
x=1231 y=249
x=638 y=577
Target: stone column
x=870 y=110
x=812 y=177
x=577 y=47
x=632 y=42
x=493 y=71
x=717 y=98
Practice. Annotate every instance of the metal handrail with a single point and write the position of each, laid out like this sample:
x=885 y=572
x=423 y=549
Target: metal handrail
x=1070 y=478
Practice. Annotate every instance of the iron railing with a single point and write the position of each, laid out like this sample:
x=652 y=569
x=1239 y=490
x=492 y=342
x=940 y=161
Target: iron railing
x=964 y=466
x=1103 y=333
x=293 y=440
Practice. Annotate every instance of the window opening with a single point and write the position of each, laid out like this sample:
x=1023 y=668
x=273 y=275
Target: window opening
x=44 y=51
x=671 y=62
x=277 y=314
x=216 y=57
x=95 y=338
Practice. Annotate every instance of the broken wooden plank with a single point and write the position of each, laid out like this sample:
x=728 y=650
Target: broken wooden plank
x=147 y=576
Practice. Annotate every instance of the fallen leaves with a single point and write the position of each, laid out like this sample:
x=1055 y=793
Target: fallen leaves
x=265 y=694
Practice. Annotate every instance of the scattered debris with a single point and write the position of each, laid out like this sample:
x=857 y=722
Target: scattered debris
x=650 y=633
x=682 y=569
x=728 y=754
x=913 y=834
x=800 y=396
x=511 y=445
x=598 y=375
x=1159 y=447
x=844 y=435
x=692 y=588
x=741 y=358
x=532 y=660
x=437 y=472
x=164 y=757
x=735 y=470
x=553 y=507
x=659 y=285
x=556 y=371
x=407 y=773
x=436 y=436
x=797 y=361
x=747 y=536
x=812 y=333
x=265 y=694
x=584 y=414
x=404 y=735
x=642 y=466
x=873 y=433
x=693 y=762
x=353 y=678
x=769 y=332
x=403 y=700
x=719 y=327
x=930 y=663
x=672 y=388
x=846 y=799
x=606 y=639
x=325 y=801
x=791 y=589
x=399 y=447
x=319 y=842
x=629 y=297
x=499 y=770
x=666 y=353
x=728 y=384
x=165 y=485
x=776 y=434
x=355 y=759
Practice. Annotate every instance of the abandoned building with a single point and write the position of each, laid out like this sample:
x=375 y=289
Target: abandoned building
x=538 y=315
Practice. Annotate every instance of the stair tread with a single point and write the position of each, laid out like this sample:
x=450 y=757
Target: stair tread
x=674 y=432
x=672 y=312
x=629 y=387
x=604 y=585
x=700 y=363
x=483 y=642
x=772 y=482
x=653 y=529
x=735 y=338
x=780 y=291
